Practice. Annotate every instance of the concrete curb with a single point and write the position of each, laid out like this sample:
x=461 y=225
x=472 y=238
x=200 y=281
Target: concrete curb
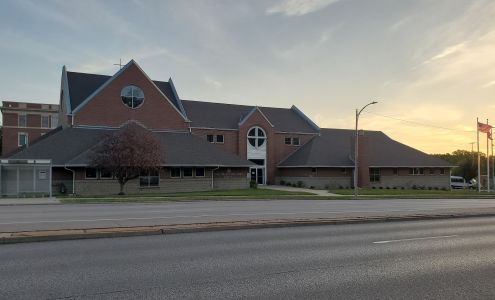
x=72 y=234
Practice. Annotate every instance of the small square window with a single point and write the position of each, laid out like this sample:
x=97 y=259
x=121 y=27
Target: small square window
x=395 y=171
x=374 y=174
x=220 y=138
x=432 y=171
x=209 y=138
x=343 y=170
x=42 y=175
x=200 y=172
x=188 y=172
x=22 y=139
x=175 y=172
x=442 y=171
x=295 y=141
x=45 y=121
x=22 y=120
x=288 y=141
x=91 y=173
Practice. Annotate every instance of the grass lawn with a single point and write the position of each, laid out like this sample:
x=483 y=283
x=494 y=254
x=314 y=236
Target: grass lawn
x=415 y=193
x=207 y=195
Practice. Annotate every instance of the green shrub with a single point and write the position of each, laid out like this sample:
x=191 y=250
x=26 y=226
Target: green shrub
x=300 y=184
x=282 y=182
x=253 y=184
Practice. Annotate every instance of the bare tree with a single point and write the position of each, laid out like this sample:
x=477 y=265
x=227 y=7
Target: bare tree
x=127 y=153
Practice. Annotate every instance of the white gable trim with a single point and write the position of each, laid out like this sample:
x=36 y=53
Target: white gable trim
x=66 y=92
x=256 y=108
x=103 y=86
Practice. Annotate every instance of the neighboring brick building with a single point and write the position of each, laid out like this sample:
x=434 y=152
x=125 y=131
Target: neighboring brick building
x=24 y=123
x=213 y=145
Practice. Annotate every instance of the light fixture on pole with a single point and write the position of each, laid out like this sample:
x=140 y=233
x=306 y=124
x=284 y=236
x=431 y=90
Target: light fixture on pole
x=356 y=145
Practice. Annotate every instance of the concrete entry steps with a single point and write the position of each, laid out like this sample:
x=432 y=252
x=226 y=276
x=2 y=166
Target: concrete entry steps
x=295 y=189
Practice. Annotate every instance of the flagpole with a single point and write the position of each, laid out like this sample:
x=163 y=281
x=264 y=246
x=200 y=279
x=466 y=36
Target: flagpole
x=487 y=162
x=493 y=160
x=478 y=145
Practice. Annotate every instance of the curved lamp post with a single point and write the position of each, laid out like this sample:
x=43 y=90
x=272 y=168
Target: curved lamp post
x=356 y=142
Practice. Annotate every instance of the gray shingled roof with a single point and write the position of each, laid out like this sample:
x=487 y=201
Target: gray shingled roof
x=81 y=85
x=72 y=147
x=333 y=148
x=228 y=116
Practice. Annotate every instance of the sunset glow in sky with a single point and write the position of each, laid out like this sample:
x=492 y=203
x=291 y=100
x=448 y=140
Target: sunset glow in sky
x=429 y=63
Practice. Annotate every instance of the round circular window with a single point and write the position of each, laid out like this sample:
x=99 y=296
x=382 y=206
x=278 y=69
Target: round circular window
x=256 y=137
x=132 y=96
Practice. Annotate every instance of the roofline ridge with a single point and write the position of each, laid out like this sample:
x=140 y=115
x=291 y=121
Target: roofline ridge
x=305 y=118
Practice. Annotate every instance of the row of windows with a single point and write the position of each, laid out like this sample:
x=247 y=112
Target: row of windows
x=292 y=141
x=149 y=178
x=215 y=138
x=45 y=121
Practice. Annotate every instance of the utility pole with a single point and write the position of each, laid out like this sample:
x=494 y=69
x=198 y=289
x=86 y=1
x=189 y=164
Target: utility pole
x=356 y=148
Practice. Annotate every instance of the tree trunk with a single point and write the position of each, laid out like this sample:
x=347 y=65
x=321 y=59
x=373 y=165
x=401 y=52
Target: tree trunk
x=121 y=188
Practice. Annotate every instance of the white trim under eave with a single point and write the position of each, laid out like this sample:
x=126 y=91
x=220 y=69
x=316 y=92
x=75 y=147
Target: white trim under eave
x=213 y=128
x=317 y=166
x=167 y=165
x=411 y=166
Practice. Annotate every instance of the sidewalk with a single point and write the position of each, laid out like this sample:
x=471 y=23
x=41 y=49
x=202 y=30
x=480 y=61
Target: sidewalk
x=28 y=201
x=296 y=189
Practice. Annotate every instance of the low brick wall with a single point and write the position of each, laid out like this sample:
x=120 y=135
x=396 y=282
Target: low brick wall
x=111 y=187
x=318 y=182
x=409 y=181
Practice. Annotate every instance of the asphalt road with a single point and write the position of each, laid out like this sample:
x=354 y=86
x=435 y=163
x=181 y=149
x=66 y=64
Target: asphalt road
x=442 y=259
x=46 y=217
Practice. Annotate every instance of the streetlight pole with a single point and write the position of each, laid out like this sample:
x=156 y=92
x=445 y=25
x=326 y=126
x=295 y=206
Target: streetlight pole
x=356 y=147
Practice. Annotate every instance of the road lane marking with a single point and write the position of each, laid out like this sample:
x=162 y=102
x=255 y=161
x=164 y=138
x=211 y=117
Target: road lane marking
x=416 y=239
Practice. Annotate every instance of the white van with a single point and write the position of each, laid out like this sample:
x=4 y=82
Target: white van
x=458 y=182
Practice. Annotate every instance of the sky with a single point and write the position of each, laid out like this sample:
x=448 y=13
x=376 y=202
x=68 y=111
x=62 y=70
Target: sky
x=430 y=64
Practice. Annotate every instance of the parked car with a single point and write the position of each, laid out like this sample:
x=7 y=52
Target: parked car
x=458 y=182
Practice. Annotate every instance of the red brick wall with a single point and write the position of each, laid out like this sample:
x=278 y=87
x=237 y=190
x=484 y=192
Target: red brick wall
x=282 y=151
x=230 y=138
x=10 y=137
x=107 y=108
x=10 y=119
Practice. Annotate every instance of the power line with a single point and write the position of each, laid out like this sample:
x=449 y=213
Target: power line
x=421 y=124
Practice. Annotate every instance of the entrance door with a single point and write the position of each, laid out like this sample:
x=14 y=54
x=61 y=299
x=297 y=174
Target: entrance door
x=257 y=175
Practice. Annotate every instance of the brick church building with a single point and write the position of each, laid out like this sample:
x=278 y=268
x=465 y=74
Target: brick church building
x=211 y=145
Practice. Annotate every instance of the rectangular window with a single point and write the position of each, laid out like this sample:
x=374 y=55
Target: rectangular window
x=22 y=139
x=374 y=175
x=200 y=172
x=295 y=141
x=187 y=172
x=288 y=141
x=442 y=171
x=416 y=171
x=45 y=121
x=432 y=171
x=105 y=174
x=209 y=138
x=175 y=172
x=395 y=171
x=91 y=173
x=343 y=170
x=313 y=171
x=22 y=120
x=54 y=121
x=220 y=138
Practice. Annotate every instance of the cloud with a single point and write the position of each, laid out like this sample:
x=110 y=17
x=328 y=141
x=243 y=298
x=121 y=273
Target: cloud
x=299 y=7
x=211 y=81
